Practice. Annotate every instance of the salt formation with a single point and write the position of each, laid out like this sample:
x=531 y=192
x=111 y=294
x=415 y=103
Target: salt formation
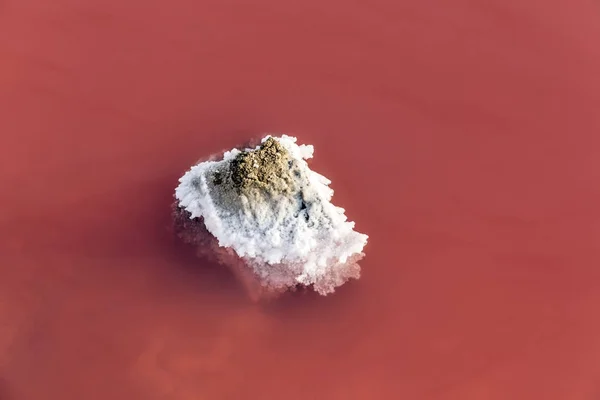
x=267 y=216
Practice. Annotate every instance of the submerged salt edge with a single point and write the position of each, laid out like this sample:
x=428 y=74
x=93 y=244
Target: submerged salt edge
x=315 y=241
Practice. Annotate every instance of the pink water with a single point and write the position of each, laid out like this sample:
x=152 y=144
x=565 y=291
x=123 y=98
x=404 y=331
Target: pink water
x=463 y=138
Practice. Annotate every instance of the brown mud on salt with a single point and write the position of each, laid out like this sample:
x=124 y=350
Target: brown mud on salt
x=267 y=169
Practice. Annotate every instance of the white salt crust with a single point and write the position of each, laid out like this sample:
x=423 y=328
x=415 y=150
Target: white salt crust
x=285 y=243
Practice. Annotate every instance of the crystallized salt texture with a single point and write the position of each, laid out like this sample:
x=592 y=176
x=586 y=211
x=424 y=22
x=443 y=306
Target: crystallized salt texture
x=275 y=213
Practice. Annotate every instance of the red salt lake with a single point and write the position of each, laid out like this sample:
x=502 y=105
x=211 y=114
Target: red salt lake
x=462 y=138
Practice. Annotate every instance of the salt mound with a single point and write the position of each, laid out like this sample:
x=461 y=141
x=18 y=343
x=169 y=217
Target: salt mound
x=265 y=214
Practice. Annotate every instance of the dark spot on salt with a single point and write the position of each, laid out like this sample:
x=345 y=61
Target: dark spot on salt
x=303 y=207
x=217 y=178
